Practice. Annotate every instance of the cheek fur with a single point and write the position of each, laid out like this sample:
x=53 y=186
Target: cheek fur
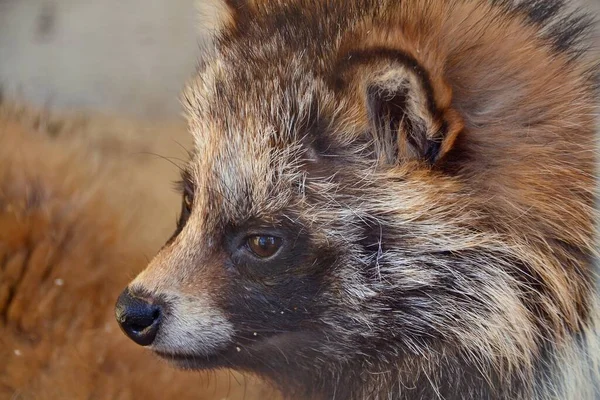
x=192 y=326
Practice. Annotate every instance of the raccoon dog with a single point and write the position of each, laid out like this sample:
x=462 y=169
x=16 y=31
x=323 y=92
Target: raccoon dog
x=386 y=200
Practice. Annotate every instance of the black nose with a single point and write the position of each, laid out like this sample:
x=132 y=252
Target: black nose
x=138 y=318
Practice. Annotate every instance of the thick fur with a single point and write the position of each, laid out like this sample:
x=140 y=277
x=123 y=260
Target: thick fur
x=78 y=215
x=430 y=168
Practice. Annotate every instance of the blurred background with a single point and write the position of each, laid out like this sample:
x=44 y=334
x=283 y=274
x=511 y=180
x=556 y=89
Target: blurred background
x=128 y=57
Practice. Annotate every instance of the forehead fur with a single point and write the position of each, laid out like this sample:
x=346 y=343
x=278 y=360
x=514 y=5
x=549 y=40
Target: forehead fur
x=249 y=138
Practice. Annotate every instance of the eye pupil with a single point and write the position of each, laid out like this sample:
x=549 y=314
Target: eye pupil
x=264 y=246
x=265 y=241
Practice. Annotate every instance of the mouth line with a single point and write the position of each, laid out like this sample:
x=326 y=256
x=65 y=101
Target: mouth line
x=173 y=356
x=235 y=354
x=196 y=361
x=185 y=357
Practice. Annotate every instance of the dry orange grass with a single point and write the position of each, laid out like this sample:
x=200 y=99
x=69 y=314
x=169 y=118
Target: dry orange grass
x=82 y=204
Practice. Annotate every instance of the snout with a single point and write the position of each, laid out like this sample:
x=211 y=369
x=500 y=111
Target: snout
x=138 y=318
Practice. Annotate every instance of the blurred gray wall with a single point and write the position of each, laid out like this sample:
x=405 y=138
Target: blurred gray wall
x=128 y=57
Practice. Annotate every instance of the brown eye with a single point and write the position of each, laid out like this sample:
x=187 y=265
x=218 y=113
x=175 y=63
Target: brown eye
x=263 y=246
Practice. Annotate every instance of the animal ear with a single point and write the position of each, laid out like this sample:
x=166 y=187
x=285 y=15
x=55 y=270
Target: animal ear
x=409 y=121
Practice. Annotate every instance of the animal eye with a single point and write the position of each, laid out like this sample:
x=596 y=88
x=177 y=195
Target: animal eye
x=263 y=246
x=188 y=200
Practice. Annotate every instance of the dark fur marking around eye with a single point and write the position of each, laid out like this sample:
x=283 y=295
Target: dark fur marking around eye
x=277 y=294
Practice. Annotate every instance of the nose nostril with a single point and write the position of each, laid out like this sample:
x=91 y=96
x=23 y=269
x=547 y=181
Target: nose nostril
x=137 y=327
x=140 y=324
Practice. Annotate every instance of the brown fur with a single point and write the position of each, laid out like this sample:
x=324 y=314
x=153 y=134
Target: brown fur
x=78 y=214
